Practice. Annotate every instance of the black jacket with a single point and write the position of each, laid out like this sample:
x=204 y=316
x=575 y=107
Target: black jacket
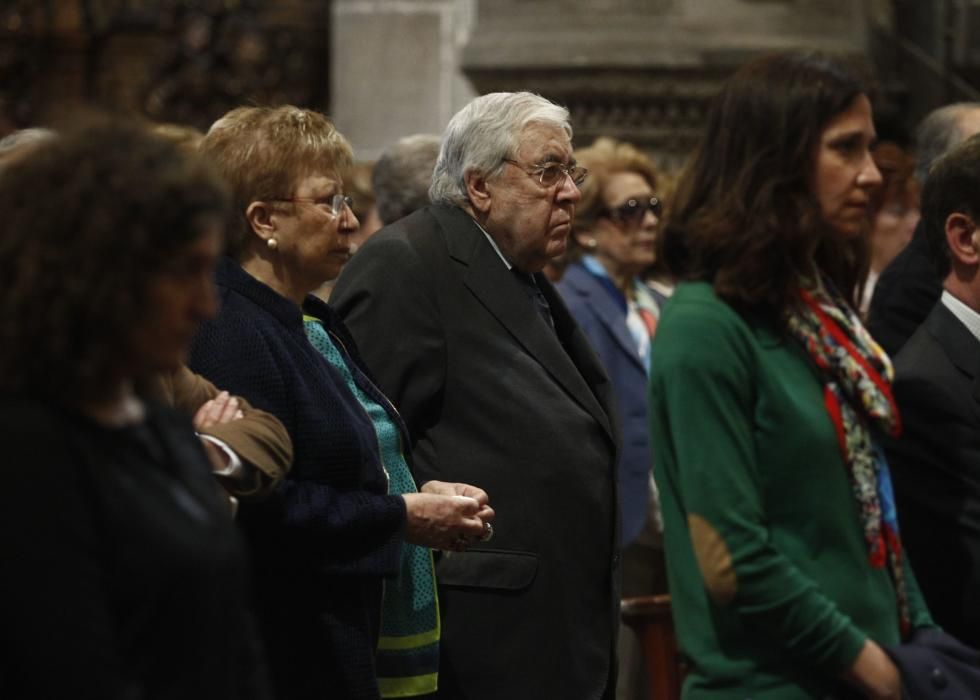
x=494 y=397
x=936 y=468
x=323 y=543
x=905 y=293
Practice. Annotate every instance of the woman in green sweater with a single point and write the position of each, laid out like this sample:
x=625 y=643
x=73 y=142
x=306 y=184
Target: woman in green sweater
x=768 y=399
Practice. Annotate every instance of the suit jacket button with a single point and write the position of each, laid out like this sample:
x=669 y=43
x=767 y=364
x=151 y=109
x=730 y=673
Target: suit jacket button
x=938 y=678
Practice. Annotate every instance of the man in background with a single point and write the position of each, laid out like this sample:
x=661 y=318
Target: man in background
x=402 y=176
x=908 y=287
x=936 y=463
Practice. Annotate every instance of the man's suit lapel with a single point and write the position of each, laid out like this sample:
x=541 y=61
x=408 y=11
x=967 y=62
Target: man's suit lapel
x=499 y=291
x=960 y=344
x=603 y=306
x=581 y=352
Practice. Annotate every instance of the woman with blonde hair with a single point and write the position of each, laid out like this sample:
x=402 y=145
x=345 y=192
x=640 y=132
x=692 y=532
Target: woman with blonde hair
x=348 y=515
x=612 y=246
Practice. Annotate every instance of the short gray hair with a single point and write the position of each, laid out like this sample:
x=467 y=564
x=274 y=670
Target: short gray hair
x=483 y=134
x=938 y=133
x=402 y=176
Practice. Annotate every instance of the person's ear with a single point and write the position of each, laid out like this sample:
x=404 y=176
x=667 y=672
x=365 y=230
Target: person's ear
x=261 y=219
x=477 y=191
x=963 y=238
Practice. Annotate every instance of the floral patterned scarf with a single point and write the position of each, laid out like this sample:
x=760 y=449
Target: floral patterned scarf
x=857 y=377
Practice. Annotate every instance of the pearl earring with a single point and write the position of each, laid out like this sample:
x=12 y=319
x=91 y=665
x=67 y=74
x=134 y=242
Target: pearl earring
x=272 y=243
x=591 y=243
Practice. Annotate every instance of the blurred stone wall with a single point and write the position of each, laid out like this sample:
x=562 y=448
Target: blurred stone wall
x=395 y=68
x=644 y=70
x=185 y=61
x=640 y=70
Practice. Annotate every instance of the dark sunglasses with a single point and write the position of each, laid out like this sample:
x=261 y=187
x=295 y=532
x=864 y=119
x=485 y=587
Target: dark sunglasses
x=633 y=210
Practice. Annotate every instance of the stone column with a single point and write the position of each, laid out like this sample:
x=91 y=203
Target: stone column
x=395 y=68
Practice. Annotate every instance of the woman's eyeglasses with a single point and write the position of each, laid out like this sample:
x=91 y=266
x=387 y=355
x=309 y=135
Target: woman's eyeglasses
x=334 y=203
x=632 y=211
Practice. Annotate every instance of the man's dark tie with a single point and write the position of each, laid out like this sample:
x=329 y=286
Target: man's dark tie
x=534 y=292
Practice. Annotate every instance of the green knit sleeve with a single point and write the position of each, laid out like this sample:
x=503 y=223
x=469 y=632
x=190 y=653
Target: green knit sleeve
x=703 y=404
x=918 y=610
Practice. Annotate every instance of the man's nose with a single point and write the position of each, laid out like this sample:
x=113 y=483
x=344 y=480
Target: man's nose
x=568 y=191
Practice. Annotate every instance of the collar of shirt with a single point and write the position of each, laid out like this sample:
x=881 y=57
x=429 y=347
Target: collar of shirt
x=592 y=264
x=494 y=244
x=967 y=316
x=641 y=293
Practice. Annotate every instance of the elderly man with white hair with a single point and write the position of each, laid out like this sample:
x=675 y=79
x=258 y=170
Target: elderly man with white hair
x=499 y=387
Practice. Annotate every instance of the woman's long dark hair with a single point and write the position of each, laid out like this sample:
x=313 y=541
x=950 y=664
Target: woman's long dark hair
x=743 y=215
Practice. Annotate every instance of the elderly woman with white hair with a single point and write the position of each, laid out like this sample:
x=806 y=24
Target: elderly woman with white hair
x=348 y=514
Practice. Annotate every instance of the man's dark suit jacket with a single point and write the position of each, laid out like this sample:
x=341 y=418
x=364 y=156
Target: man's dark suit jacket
x=905 y=293
x=494 y=397
x=936 y=468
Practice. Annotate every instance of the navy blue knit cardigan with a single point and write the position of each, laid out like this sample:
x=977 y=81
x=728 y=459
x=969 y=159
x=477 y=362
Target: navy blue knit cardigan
x=323 y=542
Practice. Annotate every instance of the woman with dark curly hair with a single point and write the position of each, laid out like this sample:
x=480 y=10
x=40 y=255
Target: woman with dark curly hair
x=123 y=575
x=769 y=399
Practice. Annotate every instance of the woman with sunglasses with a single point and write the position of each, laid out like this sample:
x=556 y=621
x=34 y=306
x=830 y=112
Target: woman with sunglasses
x=612 y=244
x=348 y=514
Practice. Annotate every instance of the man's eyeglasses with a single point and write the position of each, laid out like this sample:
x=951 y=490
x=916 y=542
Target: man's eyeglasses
x=632 y=211
x=334 y=204
x=550 y=174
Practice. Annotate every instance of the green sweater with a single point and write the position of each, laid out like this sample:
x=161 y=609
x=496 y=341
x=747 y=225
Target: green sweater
x=773 y=594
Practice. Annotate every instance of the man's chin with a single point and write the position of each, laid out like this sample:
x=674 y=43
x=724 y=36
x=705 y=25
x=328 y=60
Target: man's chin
x=557 y=246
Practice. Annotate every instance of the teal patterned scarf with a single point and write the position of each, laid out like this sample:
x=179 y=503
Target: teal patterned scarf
x=408 y=651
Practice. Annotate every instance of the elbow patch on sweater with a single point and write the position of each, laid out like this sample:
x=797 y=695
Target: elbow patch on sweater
x=714 y=560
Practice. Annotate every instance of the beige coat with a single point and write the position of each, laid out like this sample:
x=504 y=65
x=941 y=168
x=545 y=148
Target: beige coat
x=259 y=439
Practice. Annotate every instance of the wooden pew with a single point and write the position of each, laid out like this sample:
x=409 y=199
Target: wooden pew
x=650 y=617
